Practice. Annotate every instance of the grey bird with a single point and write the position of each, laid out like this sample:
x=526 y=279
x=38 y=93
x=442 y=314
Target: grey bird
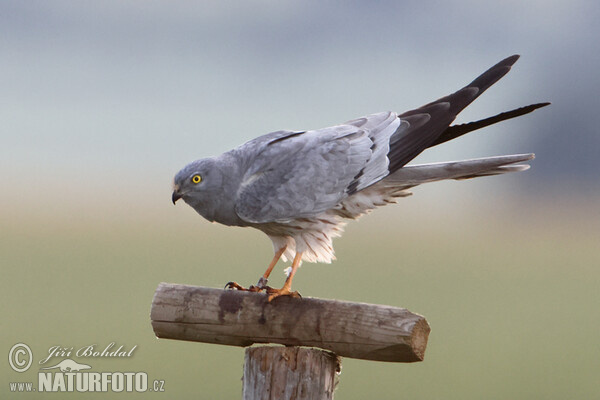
x=298 y=187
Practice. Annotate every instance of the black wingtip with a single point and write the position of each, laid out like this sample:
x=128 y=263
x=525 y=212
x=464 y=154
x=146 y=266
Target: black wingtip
x=523 y=110
x=510 y=60
x=454 y=131
x=493 y=74
x=483 y=82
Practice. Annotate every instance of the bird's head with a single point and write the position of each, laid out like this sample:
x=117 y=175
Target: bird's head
x=209 y=186
x=198 y=184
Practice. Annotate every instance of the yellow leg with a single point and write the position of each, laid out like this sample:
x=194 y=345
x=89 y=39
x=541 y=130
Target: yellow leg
x=286 y=290
x=262 y=282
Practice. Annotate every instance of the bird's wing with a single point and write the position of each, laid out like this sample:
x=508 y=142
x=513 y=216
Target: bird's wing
x=427 y=125
x=305 y=173
x=299 y=174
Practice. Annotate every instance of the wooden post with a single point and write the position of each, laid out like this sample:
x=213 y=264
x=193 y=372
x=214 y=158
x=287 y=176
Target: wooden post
x=273 y=373
x=239 y=318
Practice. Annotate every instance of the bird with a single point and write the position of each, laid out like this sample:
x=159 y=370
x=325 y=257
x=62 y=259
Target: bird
x=301 y=187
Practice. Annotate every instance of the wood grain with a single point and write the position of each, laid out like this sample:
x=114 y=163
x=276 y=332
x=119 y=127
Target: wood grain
x=280 y=373
x=238 y=318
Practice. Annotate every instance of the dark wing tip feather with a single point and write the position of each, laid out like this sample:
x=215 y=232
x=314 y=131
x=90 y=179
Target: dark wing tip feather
x=454 y=131
x=508 y=61
x=465 y=96
x=485 y=80
x=413 y=141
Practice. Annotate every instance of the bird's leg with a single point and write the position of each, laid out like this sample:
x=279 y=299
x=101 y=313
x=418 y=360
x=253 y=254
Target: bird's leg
x=286 y=290
x=262 y=282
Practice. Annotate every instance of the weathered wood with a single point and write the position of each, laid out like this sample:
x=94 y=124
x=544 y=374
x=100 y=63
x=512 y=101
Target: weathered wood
x=237 y=318
x=281 y=373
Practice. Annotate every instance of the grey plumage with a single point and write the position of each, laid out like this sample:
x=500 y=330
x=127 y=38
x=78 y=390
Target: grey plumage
x=298 y=187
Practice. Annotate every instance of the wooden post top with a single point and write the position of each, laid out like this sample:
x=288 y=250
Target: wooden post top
x=239 y=318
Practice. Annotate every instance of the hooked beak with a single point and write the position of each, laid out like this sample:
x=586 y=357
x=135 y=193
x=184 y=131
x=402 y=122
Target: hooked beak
x=176 y=196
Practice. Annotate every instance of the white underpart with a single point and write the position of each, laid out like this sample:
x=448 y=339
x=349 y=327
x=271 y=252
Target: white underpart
x=313 y=236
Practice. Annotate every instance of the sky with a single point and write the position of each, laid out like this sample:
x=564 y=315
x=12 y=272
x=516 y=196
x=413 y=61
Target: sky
x=111 y=98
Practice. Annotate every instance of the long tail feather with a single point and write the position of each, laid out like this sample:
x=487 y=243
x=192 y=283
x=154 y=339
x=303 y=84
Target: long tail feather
x=413 y=175
x=397 y=184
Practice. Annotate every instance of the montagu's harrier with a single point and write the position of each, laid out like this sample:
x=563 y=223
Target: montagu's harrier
x=299 y=187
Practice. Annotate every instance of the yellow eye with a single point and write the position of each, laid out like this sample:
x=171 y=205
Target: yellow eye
x=196 y=178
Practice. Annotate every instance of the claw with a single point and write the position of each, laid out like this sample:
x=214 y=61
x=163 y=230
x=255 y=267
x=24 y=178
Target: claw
x=286 y=290
x=234 y=285
x=256 y=289
x=274 y=293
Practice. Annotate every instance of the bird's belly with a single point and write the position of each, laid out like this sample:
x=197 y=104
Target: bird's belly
x=311 y=235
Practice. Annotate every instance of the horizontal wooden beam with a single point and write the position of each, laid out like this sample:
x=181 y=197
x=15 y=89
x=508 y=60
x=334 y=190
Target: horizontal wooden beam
x=239 y=318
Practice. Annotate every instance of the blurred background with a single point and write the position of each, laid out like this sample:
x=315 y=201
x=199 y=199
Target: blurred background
x=101 y=103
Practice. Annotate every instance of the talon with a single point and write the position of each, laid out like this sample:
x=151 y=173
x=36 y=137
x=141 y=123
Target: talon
x=274 y=293
x=234 y=285
x=287 y=286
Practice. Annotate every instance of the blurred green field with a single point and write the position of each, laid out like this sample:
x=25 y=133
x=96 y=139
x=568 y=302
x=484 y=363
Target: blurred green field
x=512 y=297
